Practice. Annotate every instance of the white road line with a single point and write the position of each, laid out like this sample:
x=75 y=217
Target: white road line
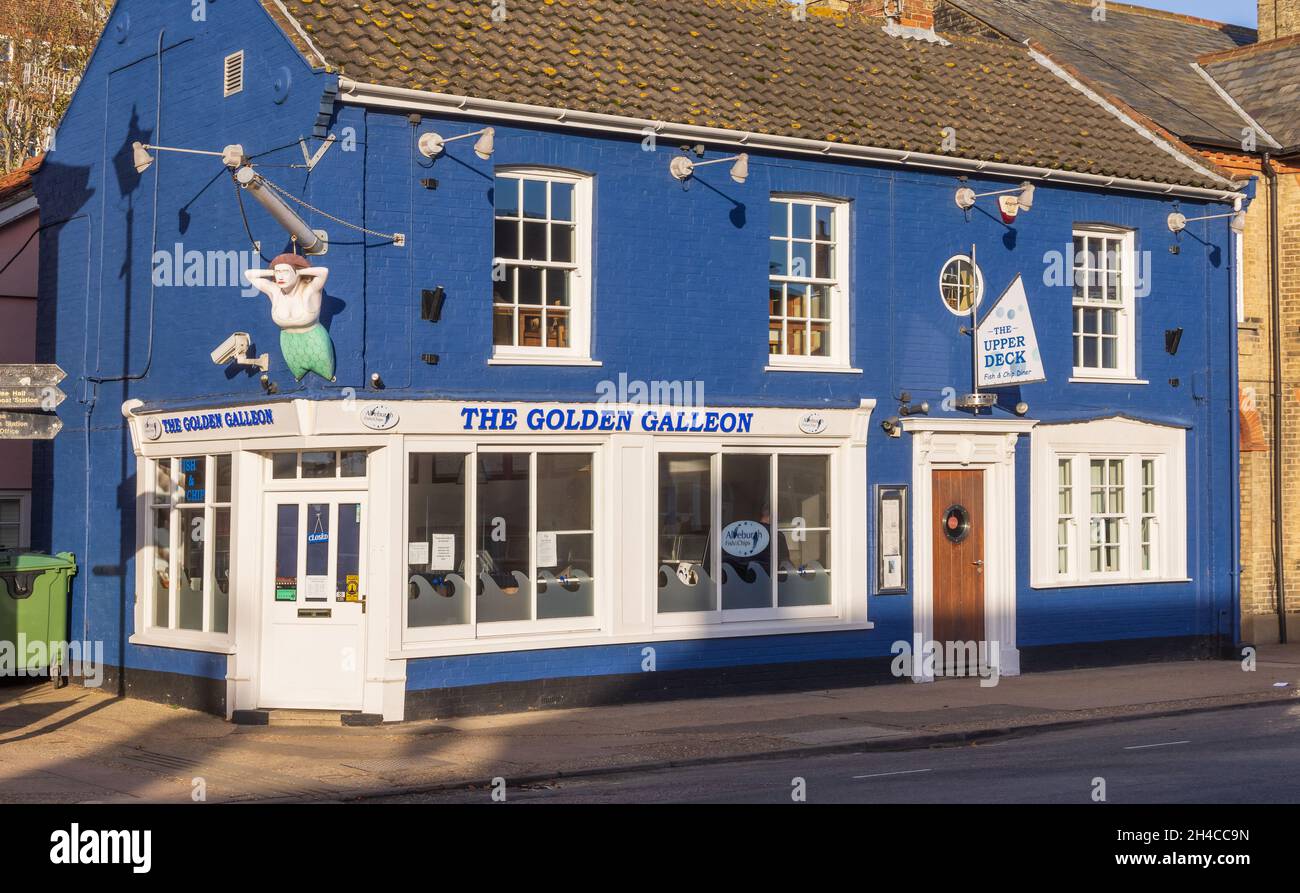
x=1163 y=744
x=904 y=772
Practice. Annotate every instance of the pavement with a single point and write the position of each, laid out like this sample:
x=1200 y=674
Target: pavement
x=77 y=745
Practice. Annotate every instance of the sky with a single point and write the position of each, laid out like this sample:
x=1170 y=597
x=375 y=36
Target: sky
x=1237 y=12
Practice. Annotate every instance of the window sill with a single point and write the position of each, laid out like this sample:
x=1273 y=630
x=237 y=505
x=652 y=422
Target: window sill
x=453 y=647
x=811 y=367
x=1118 y=581
x=197 y=642
x=1105 y=379
x=542 y=361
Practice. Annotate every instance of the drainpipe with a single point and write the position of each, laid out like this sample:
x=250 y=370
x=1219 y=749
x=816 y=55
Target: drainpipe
x=1275 y=320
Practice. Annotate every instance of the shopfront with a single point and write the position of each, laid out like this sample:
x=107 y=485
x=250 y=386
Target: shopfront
x=321 y=545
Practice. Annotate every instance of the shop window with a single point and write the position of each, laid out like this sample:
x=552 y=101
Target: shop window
x=1112 y=494
x=314 y=465
x=188 y=550
x=808 y=282
x=1104 y=303
x=748 y=531
x=541 y=268
x=527 y=518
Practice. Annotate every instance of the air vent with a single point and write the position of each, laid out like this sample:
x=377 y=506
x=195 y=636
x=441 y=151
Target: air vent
x=234 y=74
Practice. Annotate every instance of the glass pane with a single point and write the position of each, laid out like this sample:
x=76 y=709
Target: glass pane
x=503 y=326
x=796 y=342
x=825 y=223
x=561 y=243
x=1109 y=355
x=162 y=556
x=534 y=241
x=438 y=590
x=775 y=339
x=557 y=288
x=530 y=285
x=776 y=265
x=503 y=284
x=562 y=201
x=801 y=259
x=194 y=479
x=1063 y=533
x=535 y=199
x=1090 y=353
x=557 y=329
x=777 y=220
x=819 y=339
x=803 y=537
x=819 y=302
x=801 y=219
x=286 y=553
x=352 y=463
x=164 y=487
x=223 y=479
x=565 y=566
x=774 y=295
x=507 y=239
x=347 y=563
x=219 y=622
x=319 y=464
x=685 y=575
x=189 y=594
x=503 y=538
x=825 y=262
x=564 y=491
x=530 y=328
x=1062 y=561
x=506 y=195
x=746 y=531
x=796 y=300
x=318 y=543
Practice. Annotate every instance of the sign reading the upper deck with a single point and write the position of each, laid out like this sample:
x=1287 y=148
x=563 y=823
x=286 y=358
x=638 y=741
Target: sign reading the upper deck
x=1008 y=348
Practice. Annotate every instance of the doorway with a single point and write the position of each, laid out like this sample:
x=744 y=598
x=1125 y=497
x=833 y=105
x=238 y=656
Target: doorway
x=314 y=601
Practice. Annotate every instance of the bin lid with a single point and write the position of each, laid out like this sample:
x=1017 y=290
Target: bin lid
x=35 y=562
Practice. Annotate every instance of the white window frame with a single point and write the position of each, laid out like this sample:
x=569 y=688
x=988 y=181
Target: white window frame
x=840 y=540
x=578 y=353
x=24 y=500
x=147 y=633
x=1132 y=442
x=1125 y=369
x=505 y=630
x=838 y=358
x=979 y=286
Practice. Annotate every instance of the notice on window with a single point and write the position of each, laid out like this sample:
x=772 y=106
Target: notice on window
x=547 y=550
x=417 y=554
x=443 y=552
x=890 y=530
x=318 y=589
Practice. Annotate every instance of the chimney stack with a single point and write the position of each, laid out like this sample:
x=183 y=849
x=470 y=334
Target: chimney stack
x=911 y=13
x=1278 y=18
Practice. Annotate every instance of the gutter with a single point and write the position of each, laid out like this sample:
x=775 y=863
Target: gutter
x=1275 y=313
x=405 y=99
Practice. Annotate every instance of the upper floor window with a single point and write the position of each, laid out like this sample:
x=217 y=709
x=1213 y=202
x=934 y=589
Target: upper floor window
x=808 y=272
x=1104 y=268
x=541 y=269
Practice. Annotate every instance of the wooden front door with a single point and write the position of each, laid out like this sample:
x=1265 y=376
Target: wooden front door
x=958 y=518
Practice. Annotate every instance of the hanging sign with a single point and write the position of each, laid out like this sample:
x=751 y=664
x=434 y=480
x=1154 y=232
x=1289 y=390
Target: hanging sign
x=29 y=426
x=1008 y=348
x=28 y=375
x=47 y=397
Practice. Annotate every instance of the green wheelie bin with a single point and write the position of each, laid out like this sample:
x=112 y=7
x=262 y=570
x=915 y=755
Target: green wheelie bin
x=34 y=607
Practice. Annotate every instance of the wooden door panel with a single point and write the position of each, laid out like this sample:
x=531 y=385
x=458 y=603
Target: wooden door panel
x=957 y=515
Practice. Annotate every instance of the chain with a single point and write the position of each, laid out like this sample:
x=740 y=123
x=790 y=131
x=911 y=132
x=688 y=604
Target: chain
x=392 y=237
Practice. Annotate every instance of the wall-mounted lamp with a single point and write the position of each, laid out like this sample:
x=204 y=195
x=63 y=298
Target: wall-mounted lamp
x=1022 y=408
x=1177 y=222
x=232 y=156
x=431 y=304
x=376 y=381
x=1173 y=338
x=431 y=144
x=892 y=426
x=269 y=386
x=1010 y=205
x=908 y=408
x=682 y=168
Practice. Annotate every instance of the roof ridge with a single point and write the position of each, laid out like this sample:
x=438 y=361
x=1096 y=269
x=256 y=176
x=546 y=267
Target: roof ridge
x=1142 y=124
x=1250 y=49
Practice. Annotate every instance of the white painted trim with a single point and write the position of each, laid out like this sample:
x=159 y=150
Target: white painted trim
x=967 y=424
x=988 y=445
x=1105 y=379
x=979 y=285
x=503 y=359
x=19 y=210
x=810 y=367
x=301 y=32
x=1115 y=437
x=405 y=99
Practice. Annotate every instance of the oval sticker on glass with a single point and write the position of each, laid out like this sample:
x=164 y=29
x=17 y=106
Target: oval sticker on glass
x=745 y=539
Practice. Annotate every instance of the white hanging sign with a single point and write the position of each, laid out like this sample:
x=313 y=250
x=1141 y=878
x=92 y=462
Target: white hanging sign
x=1008 y=348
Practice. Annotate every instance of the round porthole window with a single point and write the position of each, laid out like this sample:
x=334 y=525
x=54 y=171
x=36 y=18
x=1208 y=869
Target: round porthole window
x=961 y=285
x=956 y=523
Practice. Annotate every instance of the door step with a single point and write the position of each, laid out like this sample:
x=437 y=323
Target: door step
x=318 y=718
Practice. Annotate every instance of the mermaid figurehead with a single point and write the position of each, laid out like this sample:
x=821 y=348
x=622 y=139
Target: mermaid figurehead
x=295 y=289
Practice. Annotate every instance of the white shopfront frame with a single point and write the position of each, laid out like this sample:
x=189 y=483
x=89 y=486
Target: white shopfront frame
x=625 y=493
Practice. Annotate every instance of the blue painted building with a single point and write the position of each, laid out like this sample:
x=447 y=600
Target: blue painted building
x=608 y=419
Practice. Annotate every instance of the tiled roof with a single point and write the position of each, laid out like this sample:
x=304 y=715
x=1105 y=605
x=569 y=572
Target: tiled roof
x=1142 y=56
x=744 y=65
x=1264 y=79
x=18 y=182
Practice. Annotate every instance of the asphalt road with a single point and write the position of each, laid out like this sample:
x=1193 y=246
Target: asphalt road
x=1245 y=755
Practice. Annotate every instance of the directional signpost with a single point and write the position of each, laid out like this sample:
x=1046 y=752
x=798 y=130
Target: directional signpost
x=34 y=388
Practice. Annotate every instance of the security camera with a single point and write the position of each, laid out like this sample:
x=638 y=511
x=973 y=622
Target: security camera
x=235 y=350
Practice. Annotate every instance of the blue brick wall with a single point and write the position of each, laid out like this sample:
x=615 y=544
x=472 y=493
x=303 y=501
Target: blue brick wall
x=679 y=294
